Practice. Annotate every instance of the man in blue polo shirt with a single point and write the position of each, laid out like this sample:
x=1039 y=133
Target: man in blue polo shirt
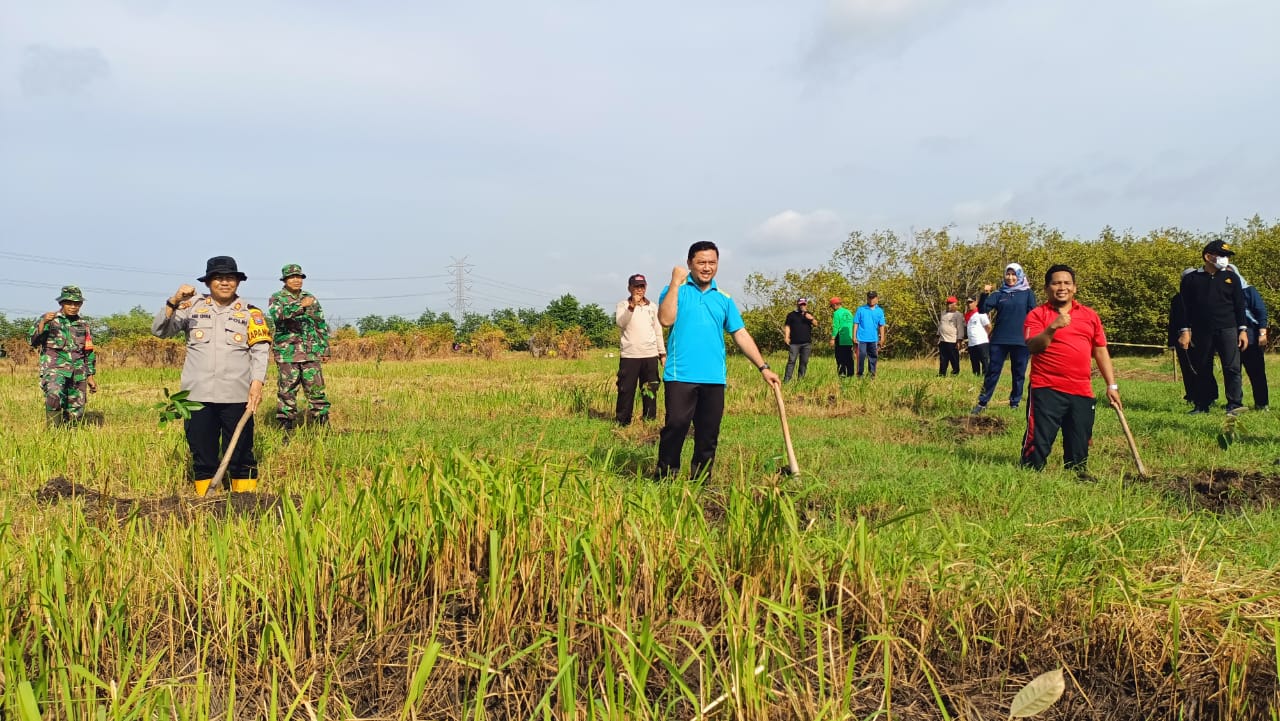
x=699 y=315
x=868 y=331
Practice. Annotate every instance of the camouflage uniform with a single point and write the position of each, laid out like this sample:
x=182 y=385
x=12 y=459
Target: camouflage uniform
x=67 y=361
x=301 y=339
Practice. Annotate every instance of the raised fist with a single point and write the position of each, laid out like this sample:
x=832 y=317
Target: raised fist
x=308 y=301
x=184 y=292
x=48 y=316
x=1062 y=321
x=987 y=288
x=679 y=275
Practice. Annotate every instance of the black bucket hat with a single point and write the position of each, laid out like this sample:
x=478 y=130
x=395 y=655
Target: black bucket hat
x=221 y=265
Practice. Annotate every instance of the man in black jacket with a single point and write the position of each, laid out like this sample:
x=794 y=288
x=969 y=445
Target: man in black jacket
x=1214 y=320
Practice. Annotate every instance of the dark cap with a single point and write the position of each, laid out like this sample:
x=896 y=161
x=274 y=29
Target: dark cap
x=70 y=294
x=1219 y=247
x=802 y=301
x=636 y=281
x=290 y=270
x=221 y=265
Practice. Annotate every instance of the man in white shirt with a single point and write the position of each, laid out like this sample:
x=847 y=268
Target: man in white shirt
x=978 y=328
x=642 y=349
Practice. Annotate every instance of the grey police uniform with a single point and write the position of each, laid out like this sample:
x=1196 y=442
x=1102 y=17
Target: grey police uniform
x=228 y=347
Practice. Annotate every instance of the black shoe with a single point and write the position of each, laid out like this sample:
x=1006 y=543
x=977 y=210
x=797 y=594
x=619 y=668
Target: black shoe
x=1198 y=412
x=286 y=425
x=1235 y=410
x=321 y=421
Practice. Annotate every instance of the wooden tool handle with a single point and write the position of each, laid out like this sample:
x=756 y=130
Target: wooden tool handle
x=1133 y=446
x=231 y=447
x=786 y=432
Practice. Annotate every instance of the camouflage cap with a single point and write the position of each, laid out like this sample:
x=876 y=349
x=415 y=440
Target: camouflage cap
x=291 y=269
x=71 y=294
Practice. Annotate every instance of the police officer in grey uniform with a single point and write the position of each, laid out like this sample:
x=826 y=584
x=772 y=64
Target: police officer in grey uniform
x=228 y=347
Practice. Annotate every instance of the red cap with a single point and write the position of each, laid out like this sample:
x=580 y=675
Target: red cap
x=835 y=300
x=952 y=299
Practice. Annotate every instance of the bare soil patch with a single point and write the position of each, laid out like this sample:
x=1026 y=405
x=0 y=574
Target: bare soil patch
x=217 y=504
x=1225 y=490
x=977 y=425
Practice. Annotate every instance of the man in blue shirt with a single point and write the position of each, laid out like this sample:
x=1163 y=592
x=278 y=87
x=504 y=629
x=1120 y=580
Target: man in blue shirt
x=698 y=314
x=868 y=330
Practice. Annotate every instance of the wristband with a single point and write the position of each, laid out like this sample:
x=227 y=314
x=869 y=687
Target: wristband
x=763 y=368
x=171 y=304
x=1113 y=387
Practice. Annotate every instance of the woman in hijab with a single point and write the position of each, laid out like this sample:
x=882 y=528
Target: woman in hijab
x=1011 y=304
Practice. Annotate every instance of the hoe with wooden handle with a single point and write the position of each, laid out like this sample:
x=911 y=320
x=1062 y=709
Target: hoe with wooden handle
x=1133 y=447
x=231 y=447
x=793 y=468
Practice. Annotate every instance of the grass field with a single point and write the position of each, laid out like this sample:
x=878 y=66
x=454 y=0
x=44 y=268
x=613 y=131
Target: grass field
x=475 y=540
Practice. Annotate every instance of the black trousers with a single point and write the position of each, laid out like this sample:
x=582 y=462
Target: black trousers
x=948 y=355
x=1255 y=366
x=208 y=433
x=844 y=360
x=1049 y=410
x=701 y=404
x=1203 y=346
x=1189 y=376
x=979 y=357
x=633 y=371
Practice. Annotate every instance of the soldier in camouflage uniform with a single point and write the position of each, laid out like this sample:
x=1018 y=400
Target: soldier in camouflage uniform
x=67 y=360
x=300 y=343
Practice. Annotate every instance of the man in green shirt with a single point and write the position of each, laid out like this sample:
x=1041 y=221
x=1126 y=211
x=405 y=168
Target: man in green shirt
x=842 y=337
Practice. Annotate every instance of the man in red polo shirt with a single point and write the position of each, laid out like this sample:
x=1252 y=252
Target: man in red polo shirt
x=1063 y=336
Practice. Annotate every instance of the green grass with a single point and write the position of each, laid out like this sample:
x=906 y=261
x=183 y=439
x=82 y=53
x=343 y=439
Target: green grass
x=476 y=540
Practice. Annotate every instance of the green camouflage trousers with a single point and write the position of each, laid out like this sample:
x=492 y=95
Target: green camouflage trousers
x=311 y=378
x=62 y=394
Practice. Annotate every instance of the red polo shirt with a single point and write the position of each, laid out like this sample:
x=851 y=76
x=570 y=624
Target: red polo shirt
x=1065 y=365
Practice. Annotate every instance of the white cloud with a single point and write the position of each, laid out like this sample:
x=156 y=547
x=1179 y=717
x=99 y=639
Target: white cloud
x=852 y=28
x=790 y=232
x=975 y=212
x=61 y=71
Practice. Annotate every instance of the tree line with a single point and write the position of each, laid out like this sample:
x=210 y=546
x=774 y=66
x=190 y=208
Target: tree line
x=518 y=328
x=1128 y=278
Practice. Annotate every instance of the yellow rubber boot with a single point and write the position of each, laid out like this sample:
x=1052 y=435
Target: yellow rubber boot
x=244 y=485
x=202 y=487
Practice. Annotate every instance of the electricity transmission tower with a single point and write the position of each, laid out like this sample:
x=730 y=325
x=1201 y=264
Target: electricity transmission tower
x=460 y=285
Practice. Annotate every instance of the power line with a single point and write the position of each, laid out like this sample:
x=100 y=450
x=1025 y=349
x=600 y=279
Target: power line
x=63 y=262
x=390 y=277
x=109 y=291
x=513 y=286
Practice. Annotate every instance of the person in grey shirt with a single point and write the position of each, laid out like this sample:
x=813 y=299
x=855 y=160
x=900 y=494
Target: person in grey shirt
x=228 y=347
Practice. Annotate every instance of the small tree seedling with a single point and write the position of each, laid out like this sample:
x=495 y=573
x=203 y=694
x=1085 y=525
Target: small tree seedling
x=175 y=406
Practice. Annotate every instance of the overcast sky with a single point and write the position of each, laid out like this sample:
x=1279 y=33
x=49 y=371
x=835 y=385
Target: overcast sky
x=559 y=146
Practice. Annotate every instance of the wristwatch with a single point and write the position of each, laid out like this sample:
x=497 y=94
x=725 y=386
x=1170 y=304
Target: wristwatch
x=763 y=368
x=1113 y=387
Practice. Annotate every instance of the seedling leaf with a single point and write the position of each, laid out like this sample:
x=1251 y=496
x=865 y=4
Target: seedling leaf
x=1043 y=691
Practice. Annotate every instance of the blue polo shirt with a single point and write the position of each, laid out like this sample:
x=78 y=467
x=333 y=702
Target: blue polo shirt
x=868 y=320
x=695 y=346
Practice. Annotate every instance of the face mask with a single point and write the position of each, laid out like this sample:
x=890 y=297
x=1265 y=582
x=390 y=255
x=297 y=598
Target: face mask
x=1221 y=263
